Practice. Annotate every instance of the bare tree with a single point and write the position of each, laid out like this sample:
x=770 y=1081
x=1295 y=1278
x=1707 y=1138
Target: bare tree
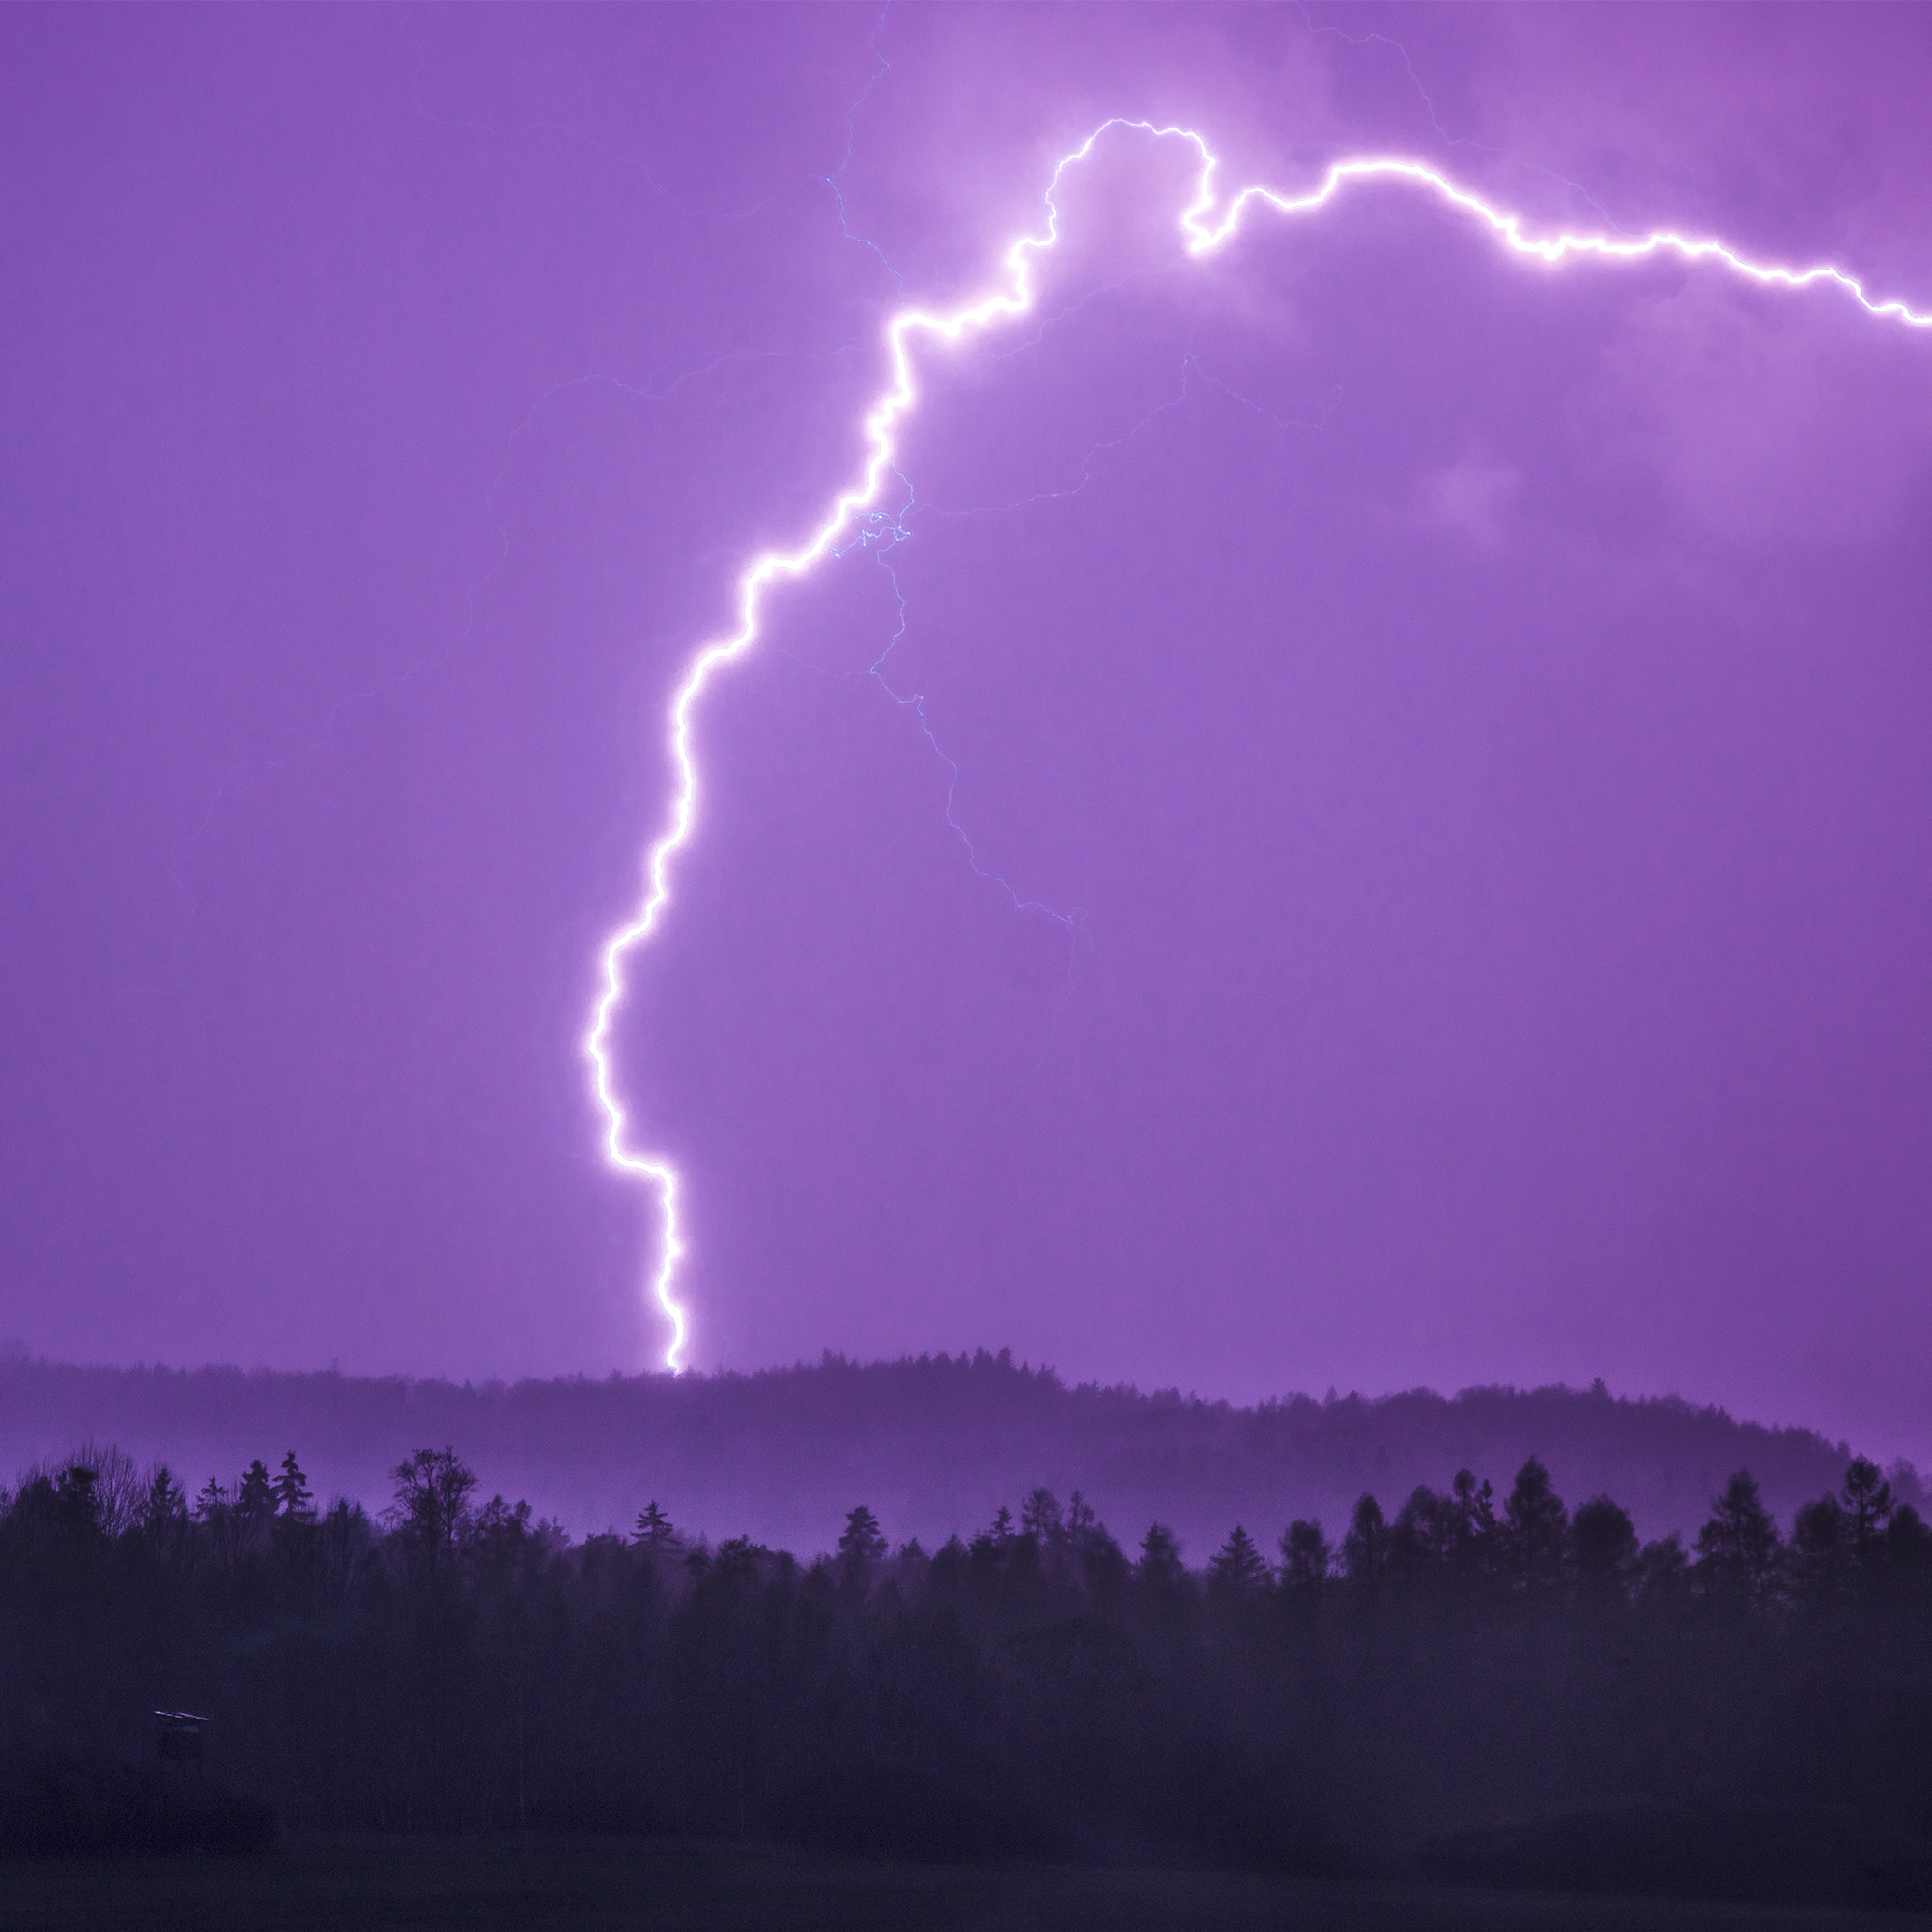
x=431 y=1514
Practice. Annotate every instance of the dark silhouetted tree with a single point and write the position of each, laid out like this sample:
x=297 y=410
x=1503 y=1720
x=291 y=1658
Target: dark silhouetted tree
x=1422 y=1534
x=863 y=1542
x=1160 y=1568
x=431 y=1511
x=165 y=1521
x=255 y=1498
x=1040 y=1518
x=293 y=1501
x=502 y=1533
x=1603 y=1541
x=252 y=1516
x=343 y=1540
x=1305 y=1558
x=654 y=1530
x=215 y=1511
x=1103 y=1565
x=1819 y=1547
x=1365 y=1549
x=1535 y=1529
x=1237 y=1568
x=1740 y=1553
x=117 y=1481
x=1868 y=1502
x=1474 y=1550
x=165 y=1507
x=76 y=1502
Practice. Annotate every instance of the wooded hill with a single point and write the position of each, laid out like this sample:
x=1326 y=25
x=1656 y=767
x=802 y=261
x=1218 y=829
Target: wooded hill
x=933 y=1445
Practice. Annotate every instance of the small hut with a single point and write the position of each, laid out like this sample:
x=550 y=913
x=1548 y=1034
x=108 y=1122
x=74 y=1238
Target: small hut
x=181 y=1734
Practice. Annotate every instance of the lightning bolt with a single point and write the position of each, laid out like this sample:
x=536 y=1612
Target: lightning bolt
x=859 y=506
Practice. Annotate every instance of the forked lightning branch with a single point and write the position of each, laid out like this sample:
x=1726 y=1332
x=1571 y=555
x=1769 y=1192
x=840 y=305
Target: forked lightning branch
x=1208 y=223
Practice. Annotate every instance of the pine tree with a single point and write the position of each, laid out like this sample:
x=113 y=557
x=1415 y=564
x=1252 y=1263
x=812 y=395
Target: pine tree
x=1160 y=1567
x=1426 y=1533
x=1040 y=1518
x=1868 y=1506
x=255 y=1499
x=1305 y=1557
x=1238 y=1568
x=1740 y=1555
x=1365 y=1549
x=292 y=1499
x=164 y=1514
x=1476 y=1538
x=1818 y=1540
x=164 y=1505
x=1535 y=1528
x=863 y=1542
x=654 y=1529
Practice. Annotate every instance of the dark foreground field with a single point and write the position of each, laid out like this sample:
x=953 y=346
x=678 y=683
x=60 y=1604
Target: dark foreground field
x=608 y=1885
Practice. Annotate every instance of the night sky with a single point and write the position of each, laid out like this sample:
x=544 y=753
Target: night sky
x=1410 y=860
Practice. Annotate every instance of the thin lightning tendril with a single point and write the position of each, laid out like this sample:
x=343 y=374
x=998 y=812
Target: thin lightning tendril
x=857 y=512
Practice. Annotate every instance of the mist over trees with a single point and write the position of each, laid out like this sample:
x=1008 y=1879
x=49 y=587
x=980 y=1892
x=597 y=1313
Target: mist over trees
x=1484 y=1684
x=933 y=1443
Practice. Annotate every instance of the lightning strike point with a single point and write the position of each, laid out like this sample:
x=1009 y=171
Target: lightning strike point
x=1203 y=233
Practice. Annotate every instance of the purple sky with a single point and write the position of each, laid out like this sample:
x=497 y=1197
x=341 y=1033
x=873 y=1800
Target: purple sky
x=1479 y=714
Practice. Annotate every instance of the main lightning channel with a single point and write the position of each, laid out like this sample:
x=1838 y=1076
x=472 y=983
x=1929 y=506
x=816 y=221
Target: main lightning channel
x=1013 y=296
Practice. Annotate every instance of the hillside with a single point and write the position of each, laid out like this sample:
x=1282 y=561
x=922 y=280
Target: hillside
x=933 y=1444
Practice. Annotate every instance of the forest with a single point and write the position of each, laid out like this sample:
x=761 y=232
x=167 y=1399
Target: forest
x=941 y=1440
x=1472 y=1686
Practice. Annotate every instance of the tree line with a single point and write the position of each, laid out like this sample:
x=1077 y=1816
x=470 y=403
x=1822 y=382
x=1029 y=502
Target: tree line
x=1034 y=1689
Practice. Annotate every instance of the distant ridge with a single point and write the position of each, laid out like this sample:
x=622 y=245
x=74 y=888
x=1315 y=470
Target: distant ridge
x=934 y=1444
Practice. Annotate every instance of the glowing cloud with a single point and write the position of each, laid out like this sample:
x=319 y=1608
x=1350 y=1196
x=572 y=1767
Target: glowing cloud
x=1013 y=296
